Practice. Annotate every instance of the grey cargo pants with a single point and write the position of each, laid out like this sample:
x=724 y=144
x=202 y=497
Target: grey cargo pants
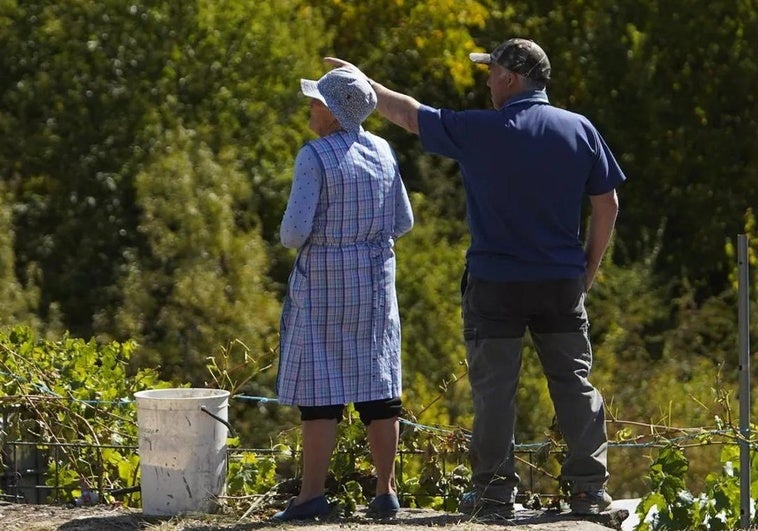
x=496 y=316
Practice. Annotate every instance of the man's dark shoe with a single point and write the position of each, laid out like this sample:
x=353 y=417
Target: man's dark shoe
x=313 y=508
x=474 y=504
x=589 y=502
x=383 y=506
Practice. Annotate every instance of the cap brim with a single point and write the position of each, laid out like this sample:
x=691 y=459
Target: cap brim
x=481 y=58
x=310 y=88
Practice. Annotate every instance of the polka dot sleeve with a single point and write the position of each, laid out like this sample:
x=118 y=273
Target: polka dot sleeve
x=301 y=206
x=403 y=210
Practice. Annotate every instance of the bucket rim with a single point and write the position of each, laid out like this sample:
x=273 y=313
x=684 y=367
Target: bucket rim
x=174 y=393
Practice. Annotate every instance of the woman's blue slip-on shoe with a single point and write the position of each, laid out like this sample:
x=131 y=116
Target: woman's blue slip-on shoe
x=313 y=508
x=383 y=506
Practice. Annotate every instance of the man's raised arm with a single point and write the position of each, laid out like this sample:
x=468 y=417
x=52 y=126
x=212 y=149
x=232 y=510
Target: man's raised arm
x=398 y=108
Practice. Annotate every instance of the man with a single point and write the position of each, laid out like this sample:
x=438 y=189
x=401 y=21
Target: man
x=526 y=168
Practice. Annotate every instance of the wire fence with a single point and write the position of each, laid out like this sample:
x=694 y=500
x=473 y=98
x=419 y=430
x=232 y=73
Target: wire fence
x=26 y=476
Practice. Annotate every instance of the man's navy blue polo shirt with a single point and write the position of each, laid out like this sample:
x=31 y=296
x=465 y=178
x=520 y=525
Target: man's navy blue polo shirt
x=526 y=168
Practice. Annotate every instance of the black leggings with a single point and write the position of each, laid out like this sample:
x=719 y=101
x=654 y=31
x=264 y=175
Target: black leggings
x=368 y=411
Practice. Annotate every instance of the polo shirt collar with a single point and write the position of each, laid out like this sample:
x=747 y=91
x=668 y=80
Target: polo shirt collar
x=530 y=96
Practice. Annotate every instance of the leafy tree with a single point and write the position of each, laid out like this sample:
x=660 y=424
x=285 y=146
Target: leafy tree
x=429 y=268
x=236 y=80
x=77 y=80
x=694 y=102
x=19 y=302
x=87 y=89
x=202 y=282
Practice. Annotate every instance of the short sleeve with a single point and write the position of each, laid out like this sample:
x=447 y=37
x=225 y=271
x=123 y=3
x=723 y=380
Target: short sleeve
x=606 y=174
x=442 y=131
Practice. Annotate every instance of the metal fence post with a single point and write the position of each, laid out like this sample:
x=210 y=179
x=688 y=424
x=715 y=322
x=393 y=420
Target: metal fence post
x=744 y=351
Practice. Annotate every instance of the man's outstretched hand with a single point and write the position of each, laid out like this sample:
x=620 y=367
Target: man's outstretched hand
x=337 y=62
x=398 y=108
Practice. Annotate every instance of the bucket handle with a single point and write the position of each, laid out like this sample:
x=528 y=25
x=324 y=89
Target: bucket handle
x=222 y=421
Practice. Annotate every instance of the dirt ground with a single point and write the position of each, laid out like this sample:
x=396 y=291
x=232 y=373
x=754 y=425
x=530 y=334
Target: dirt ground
x=21 y=517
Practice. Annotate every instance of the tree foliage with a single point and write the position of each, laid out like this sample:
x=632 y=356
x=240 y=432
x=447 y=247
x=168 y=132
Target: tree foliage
x=429 y=271
x=20 y=302
x=199 y=279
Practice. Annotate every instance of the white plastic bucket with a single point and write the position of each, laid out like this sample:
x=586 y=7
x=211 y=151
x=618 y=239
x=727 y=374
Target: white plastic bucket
x=182 y=449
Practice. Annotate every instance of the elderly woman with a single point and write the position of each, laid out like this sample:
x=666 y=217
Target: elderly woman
x=340 y=328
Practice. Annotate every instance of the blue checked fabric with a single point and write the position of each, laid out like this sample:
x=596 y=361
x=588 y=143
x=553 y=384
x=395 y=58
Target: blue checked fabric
x=340 y=328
